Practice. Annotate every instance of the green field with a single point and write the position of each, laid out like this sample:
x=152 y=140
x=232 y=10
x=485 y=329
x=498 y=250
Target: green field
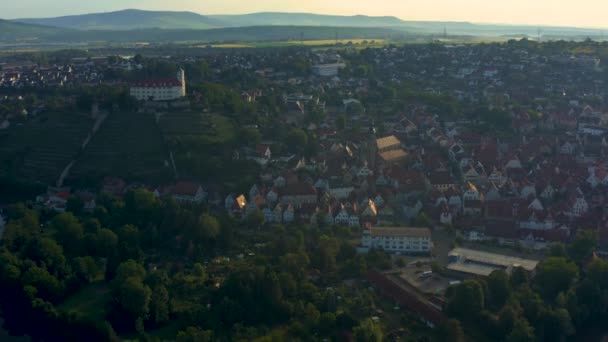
x=41 y=147
x=89 y=303
x=309 y=43
x=128 y=145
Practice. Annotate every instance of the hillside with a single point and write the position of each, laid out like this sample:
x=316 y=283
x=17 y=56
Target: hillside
x=129 y=20
x=20 y=31
x=307 y=19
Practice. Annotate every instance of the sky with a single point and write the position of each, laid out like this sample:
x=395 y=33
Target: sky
x=581 y=13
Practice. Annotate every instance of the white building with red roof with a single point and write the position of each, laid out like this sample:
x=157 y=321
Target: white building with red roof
x=160 y=89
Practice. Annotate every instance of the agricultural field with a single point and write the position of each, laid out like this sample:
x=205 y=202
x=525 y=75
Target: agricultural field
x=309 y=43
x=41 y=147
x=127 y=145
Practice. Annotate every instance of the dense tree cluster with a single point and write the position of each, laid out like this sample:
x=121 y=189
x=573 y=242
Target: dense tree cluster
x=564 y=298
x=145 y=259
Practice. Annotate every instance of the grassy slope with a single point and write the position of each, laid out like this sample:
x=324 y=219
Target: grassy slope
x=90 y=302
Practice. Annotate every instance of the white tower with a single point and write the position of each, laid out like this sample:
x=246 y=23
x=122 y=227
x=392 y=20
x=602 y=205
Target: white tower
x=181 y=77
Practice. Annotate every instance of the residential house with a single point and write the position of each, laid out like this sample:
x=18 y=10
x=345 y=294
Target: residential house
x=472 y=200
x=299 y=194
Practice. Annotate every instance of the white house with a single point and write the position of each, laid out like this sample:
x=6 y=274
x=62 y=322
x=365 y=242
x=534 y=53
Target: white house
x=327 y=70
x=398 y=239
x=579 y=207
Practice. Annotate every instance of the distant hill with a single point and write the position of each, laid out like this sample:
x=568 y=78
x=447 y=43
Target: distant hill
x=130 y=19
x=306 y=19
x=153 y=26
x=231 y=34
x=10 y=31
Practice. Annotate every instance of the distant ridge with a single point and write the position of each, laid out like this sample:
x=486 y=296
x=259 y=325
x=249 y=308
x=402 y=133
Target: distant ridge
x=11 y=31
x=130 y=19
x=153 y=26
x=307 y=19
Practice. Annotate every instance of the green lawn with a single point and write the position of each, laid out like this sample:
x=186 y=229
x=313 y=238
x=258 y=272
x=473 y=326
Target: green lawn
x=90 y=302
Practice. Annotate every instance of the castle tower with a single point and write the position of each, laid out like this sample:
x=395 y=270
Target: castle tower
x=181 y=77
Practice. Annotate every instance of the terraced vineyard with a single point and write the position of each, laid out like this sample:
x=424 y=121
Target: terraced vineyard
x=203 y=128
x=42 y=147
x=127 y=145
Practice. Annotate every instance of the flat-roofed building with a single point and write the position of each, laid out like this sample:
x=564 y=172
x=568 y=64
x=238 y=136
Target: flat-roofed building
x=406 y=240
x=469 y=262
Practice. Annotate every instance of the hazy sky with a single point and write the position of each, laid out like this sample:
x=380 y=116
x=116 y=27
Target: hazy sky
x=586 y=13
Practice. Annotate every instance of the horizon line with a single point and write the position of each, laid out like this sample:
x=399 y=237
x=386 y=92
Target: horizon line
x=326 y=14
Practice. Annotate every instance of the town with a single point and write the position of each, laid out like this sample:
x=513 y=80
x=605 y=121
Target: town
x=455 y=160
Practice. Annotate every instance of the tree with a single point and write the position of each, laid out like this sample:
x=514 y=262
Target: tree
x=209 y=228
x=499 y=289
x=249 y=137
x=105 y=242
x=68 y=232
x=195 y=334
x=85 y=268
x=368 y=331
x=583 y=246
x=129 y=269
x=519 y=277
x=134 y=297
x=297 y=140
x=522 y=332
x=555 y=275
x=465 y=301
x=159 y=304
x=598 y=272
x=46 y=251
x=48 y=286
x=451 y=330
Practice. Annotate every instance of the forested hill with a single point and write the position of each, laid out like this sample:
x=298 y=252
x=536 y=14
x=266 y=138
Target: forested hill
x=18 y=31
x=129 y=20
x=307 y=19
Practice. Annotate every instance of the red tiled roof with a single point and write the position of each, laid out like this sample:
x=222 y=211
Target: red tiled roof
x=160 y=83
